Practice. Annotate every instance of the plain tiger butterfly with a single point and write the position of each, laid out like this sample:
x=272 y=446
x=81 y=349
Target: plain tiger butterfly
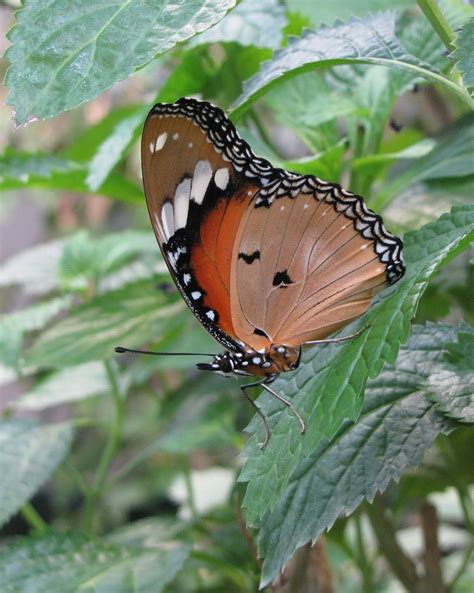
x=267 y=260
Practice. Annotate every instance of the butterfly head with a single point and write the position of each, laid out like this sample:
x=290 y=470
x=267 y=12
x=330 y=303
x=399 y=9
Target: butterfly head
x=261 y=363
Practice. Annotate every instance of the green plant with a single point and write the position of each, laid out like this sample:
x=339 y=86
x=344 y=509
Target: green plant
x=387 y=414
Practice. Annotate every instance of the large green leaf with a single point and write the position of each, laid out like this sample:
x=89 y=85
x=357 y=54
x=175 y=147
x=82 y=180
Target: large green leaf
x=74 y=563
x=396 y=427
x=259 y=24
x=65 y=386
x=29 y=453
x=66 y=52
x=13 y=326
x=45 y=171
x=463 y=54
x=130 y=316
x=452 y=157
x=328 y=386
x=369 y=41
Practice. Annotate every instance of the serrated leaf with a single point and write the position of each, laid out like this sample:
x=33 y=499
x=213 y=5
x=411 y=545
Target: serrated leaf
x=251 y=23
x=29 y=453
x=464 y=54
x=369 y=41
x=65 y=53
x=13 y=326
x=396 y=427
x=36 y=170
x=113 y=148
x=130 y=316
x=452 y=386
x=75 y=563
x=328 y=386
x=64 y=387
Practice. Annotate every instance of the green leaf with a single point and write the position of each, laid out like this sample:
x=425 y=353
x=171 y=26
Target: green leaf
x=452 y=386
x=463 y=54
x=113 y=148
x=382 y=159
x=45 y=171
x=326 y=13
x=13 y=326
x=34 y=269
x=303 y=104
x=259 y=24
x=328 y=386
x=130 y=316
x=84 y=146
x=85 y=259
x=64 y=387
x=29 y=454
x=75 y=563
x=369 y=41
x=452 y=157
x=396 y=427
x=65 y=53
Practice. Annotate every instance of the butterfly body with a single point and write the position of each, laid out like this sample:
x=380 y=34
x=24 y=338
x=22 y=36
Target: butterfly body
x=266 y=259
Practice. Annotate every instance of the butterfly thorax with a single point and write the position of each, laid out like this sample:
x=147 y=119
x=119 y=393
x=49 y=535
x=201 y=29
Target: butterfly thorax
x=277 y=359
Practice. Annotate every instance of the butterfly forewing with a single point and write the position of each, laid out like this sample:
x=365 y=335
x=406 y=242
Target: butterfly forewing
x=196 y=199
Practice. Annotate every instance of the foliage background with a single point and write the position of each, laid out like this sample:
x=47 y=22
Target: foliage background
x=132 y=474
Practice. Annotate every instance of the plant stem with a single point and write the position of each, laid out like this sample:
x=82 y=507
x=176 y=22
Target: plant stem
x=402 y=566
x=189 y=489
x=438 y=22
x=362 y=560
x=113 y=440
x=261 y=130
x=33 y=518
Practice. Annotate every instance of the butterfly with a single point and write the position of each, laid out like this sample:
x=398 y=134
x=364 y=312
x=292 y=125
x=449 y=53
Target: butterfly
x=267 y=260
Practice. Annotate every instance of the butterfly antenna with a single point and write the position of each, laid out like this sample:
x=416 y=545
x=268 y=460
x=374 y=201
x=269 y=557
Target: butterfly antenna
x=121 y=350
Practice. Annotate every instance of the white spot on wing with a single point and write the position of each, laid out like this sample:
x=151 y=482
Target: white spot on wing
x=175 y=136
x=160 y=141
x=167 y=217
x=190 y=145
x=211 y=315
x=195 y=295
x=202 y=177
x=181 y=203
x=186 y=279
x=221 y=177
x=152 y=147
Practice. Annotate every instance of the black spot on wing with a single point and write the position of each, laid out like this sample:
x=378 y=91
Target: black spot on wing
x=249 y=257
x=259 y=332
x=282 y=279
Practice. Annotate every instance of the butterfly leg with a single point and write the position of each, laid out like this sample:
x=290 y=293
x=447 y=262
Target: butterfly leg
x=258 y=410
x=283 y=400
x=336 y=340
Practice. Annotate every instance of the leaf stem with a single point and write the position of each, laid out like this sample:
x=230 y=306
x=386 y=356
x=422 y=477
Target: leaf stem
x=438 y=22
x=113 y=441
x=33 y=518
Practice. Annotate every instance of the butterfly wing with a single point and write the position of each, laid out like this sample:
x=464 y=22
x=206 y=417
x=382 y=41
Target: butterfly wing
x=262 y=256
x=197 y=191
x=322 y=255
